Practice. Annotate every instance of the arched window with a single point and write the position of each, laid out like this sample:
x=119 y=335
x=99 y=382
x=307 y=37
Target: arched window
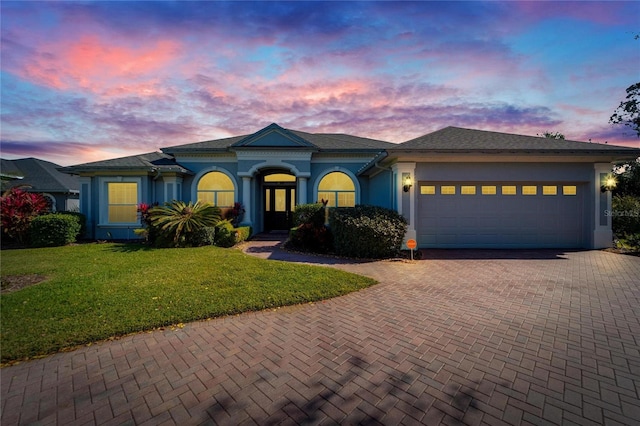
x=338 y=188
x=216 y=188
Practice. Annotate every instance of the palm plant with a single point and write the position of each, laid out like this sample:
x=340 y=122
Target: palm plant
x=177 y=220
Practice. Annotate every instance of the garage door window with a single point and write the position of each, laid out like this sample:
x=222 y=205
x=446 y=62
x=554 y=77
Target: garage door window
x=427 y=189
x=488 y=190
x=508 y=190
x=448 y=190
x=569 y=190
x=529 y=190
x=549 y=190
x=468 y=190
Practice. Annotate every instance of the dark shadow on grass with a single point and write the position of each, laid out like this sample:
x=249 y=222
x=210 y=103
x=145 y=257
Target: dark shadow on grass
x=130 y=247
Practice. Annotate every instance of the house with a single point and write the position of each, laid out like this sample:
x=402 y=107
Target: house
x=61 y=189
x=456 y=187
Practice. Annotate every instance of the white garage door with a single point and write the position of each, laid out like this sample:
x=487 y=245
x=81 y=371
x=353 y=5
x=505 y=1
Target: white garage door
x=501 y=215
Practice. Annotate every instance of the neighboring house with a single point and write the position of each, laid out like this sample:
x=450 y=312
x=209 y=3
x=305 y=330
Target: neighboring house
x=457 y=187
x=43 y=177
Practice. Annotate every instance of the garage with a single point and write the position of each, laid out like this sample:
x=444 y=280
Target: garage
x=502 y=215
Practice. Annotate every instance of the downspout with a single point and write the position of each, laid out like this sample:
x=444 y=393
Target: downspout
x=153 y=187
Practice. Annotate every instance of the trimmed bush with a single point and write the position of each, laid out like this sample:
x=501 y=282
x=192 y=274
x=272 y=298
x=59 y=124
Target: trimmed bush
x=310 y=234
x=243 y=233
x=225 y=234
x=51 y=230
x=82 y=220
x=367 y=231
x=204 y=236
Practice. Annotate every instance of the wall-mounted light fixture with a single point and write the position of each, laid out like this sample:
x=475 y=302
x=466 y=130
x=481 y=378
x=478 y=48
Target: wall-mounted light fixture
x=407 y=184
x=609 y=183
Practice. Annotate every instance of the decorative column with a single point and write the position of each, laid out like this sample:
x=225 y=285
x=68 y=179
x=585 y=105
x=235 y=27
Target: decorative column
x=406 y=201
x=246 y=200
x=302 y=190
x=602 y=233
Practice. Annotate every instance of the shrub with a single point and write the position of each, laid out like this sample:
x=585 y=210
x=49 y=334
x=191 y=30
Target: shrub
x=625 y=214
x=18 y=208
x=82 y=220
x=367 y=231
x=225 y=234
x=310 y=233
x=177 y=222
x=56 y=229
x=243 y=233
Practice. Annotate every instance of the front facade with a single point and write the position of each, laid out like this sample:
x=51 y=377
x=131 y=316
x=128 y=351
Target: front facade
x=457 y=188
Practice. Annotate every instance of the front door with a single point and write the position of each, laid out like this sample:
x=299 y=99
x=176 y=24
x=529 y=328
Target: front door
x=279 y=204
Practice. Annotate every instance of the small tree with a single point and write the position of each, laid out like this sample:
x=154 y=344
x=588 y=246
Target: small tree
x=18 y=208
x=177 y=221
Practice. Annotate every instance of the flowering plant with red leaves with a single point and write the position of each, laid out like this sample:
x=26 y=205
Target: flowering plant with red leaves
x=17 y=208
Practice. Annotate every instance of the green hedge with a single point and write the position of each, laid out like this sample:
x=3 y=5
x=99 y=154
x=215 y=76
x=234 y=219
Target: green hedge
x=57 y=229
x=625 y=212
x=82 y=220
x=367 y=231
x=221 y=235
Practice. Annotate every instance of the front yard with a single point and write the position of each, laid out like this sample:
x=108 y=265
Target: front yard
x=92 y=292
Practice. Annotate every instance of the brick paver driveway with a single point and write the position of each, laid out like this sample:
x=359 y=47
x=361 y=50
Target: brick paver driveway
x=536 y=337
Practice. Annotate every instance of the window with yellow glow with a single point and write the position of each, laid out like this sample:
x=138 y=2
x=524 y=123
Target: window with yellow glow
x=569 y=190
x=508 y=190
x=122 y=202
x=529 y=190
x=427 y=189
x=488 y=190
x=448 y=190
x=338 y=188
x=279 y=177
x=549 y=190
x=467 y=190
x=216 y=188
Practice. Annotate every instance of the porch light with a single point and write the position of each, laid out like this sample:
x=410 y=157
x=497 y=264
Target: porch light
x=610 y=183
x=407 y=183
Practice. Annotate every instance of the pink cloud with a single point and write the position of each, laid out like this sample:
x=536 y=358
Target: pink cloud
x=100 y=67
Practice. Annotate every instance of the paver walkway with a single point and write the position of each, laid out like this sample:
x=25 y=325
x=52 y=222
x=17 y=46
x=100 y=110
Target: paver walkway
x=462 y=337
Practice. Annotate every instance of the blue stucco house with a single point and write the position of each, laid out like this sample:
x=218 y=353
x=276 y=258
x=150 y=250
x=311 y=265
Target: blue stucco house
x=457 y=188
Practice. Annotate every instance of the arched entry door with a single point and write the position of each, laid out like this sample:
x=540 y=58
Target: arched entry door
x=279 y=201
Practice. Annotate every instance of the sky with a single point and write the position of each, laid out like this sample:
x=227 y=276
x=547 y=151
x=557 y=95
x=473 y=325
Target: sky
x=87 y=81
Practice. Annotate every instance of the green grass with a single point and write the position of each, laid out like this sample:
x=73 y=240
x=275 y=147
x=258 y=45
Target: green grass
x=96 y=291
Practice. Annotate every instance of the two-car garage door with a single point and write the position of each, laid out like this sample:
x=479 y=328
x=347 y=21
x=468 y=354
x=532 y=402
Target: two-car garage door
x=501 y=215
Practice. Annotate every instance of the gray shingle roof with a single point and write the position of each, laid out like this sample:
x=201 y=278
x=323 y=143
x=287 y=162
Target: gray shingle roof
x=456 y=139
x=149 y=162
x=40 y=175
x=321 y=141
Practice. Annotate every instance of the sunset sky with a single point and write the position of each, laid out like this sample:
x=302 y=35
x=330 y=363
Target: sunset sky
x=87 y=81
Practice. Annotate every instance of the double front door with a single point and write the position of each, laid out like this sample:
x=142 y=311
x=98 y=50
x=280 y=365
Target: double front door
x=279 y=203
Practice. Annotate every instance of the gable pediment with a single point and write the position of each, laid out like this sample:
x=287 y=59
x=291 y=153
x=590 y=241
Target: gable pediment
x=274 y=136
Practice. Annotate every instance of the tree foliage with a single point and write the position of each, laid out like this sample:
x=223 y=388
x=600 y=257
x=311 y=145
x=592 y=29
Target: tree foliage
x=18 y=208
x=552 y=135
x=628 y=177
x=628 y=112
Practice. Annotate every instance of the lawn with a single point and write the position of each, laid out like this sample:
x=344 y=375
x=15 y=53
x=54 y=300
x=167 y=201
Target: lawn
x=96 y=291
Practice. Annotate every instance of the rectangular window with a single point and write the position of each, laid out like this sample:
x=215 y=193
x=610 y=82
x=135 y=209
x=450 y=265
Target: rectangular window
x=508 y=190
x=468 y=190
x=549 y=190
x=122 y=202
x=448 y=190
x=346 y=199
x=488 y=190
x=427 y=189
x=529 y=190
x=569 y=190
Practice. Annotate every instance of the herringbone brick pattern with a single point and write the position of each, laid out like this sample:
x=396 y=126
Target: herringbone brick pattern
x=474 y=338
